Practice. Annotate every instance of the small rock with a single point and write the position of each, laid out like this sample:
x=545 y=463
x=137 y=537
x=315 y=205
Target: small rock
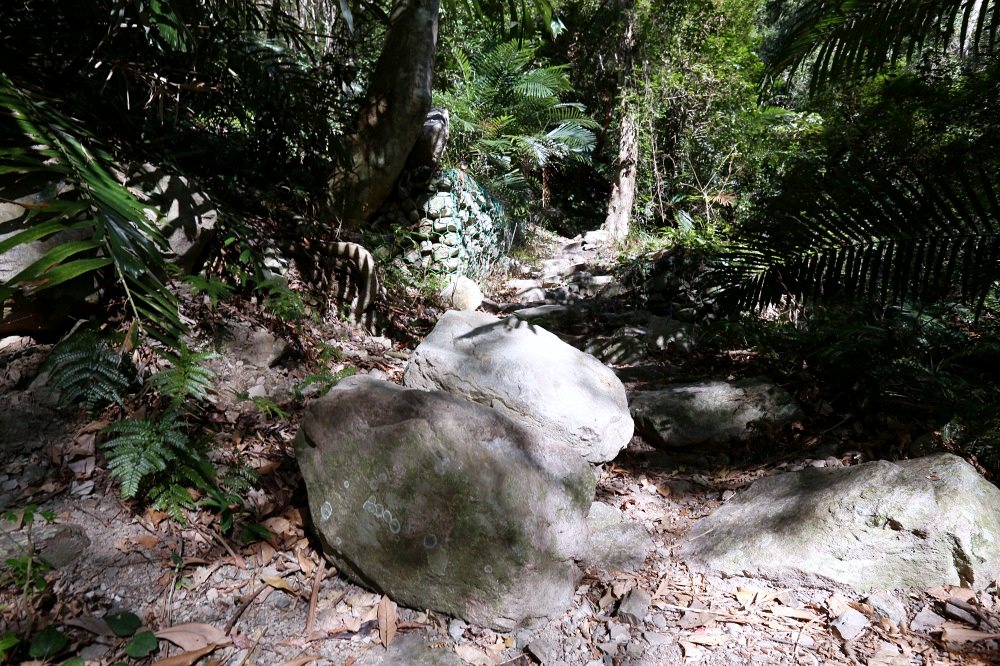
x=462 y=294
x=634 y=606
x=456 y=628
x=926 y=620
x=654 y=638
x=886 y=605
x=659 y=621
x=545 y=648
x=257 y=391
x=850 y=624
x=618 y=632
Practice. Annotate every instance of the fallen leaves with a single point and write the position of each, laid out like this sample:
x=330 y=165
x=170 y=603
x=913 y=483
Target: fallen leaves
x=386 y=621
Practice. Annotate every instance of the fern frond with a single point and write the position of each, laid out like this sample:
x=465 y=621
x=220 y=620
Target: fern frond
x=86 y=368
x=186 y=377
x=143 y=449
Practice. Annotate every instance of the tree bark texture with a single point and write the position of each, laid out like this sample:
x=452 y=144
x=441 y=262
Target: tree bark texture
x=396 y=103
x=623 y=192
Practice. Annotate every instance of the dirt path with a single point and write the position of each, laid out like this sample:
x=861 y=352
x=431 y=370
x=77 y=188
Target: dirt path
x=275 y=602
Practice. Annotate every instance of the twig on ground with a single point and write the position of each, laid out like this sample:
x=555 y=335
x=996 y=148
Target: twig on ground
x=314 y=598
x=244 y=604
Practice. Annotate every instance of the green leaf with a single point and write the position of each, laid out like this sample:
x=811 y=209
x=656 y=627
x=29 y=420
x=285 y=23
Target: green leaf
x=74 y=661
x=7 y=641
x=123 y=623
x=48 y=643
x=143 y=645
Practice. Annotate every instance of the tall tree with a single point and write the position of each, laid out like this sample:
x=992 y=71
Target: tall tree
x=395 y=104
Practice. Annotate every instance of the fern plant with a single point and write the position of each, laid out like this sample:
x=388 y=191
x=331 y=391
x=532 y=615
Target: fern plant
x=187 y=378
x=87 y=368
x=143 y=449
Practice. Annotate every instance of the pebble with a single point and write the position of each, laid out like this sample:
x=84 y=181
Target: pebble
x=886 y=605
x=456 y=628
x=659 y=621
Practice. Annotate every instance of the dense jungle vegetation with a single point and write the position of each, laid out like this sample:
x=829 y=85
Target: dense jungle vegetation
x=829 y=170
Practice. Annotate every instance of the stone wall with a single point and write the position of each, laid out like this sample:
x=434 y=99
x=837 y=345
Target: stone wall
x=456 y=227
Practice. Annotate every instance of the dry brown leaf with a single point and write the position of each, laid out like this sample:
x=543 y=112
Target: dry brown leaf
x=794 y=613
x=691 y=651
x=470 y=654
x=301 y=661
x=838 y=604
x=707 y=637
x=386 y=621
x=92 y=624
x=186 y=658
x=954 y=632
x=194 y=636
x=147 y=541
x=278 y=583
x=747 y=596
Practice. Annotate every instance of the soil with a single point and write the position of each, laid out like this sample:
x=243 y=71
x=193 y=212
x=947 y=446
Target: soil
x=277 y=602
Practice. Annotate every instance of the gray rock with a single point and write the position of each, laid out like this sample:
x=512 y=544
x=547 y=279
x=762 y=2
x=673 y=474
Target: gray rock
x=255 y=346
x=527 y=291
x=188 y=217
x=849 y=624
x=926 y=620
x=462 y=294
x=528 y=374
x=445 y=504
x=615 y=541
x=709 y=411
x=634 y=606
x=411 y=649
x=887 y=605
x=878 y=526
x=546 y=648
x=666 y=334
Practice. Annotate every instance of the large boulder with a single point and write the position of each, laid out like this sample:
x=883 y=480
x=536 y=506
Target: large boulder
x=709 y=411
x=879 y=526
x=444 y=504
x=528 y=374
x=188 y=219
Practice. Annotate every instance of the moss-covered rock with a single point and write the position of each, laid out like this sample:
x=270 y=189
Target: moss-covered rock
x=445 y=504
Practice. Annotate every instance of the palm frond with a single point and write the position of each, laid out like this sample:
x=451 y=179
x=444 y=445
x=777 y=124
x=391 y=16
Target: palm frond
x=109 y=225
x=847 y=39
x=852 y=236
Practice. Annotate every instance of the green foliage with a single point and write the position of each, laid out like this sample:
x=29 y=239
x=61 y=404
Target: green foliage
x=102 y=223
x=841 y=40
x=700 y=128
x=216 y=290
x=123 y=623
x=47 y=643
x=86 y=368
x=142 y=645
x=25 y=571
x=141 y=450
x=8 y=641
x=186 y=378
x=324 y=380
x=285 y=304
x=507 y=117
x=850 y=235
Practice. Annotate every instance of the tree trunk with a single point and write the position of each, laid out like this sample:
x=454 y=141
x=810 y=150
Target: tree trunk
x=396 y=102
x=623 y=193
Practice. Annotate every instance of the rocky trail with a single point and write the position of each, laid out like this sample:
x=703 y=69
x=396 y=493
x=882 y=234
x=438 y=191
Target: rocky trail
x=212 y=599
